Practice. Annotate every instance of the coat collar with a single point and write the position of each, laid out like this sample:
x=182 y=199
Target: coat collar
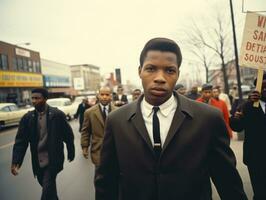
x=183 y=111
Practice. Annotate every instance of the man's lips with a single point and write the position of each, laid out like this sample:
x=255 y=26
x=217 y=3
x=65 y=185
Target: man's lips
x=158 y=91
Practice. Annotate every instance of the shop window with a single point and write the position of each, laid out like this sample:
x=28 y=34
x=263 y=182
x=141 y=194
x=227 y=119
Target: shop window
x=30 y=66
x=25 y=64
x=15 y=65
x=3 y=62
x=38 y=67
x=20 y=64
x=34 y=66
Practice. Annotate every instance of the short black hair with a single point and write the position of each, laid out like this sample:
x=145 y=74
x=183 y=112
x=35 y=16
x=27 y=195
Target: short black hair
x=206 y=86
x=42 y=91
x=264 y=78
x=161 y=44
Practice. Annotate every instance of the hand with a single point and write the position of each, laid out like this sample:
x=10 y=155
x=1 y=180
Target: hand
x=238 y=114
x=85 y=152
x=15 y=169
x=71 y=157
x=254 y=96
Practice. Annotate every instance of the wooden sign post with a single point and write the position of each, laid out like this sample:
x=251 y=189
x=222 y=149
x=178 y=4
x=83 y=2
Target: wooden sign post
x=253 y=48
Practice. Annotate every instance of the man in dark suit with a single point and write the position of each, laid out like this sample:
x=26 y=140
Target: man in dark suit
x=165 y=146
x=45 y=129
x=84 y=105
x=253 y=121
x=120 y=98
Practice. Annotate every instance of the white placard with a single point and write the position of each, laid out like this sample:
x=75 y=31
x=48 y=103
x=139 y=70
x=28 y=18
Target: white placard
x=253 y=49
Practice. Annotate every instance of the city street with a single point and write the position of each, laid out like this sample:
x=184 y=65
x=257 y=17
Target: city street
x=76 y=180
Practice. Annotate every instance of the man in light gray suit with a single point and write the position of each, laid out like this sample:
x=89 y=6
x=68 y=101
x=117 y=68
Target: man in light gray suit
x=165 y=146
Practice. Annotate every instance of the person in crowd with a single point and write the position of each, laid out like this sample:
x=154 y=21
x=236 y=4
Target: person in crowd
x=93 y=125
x=223 y=96
x=210 y=96
x=120 y=98
x=165 y=146
x=180 y=89
x=45 y=129
x=84 y=105
x=193 y=94
x=135 y=94
x=252 y=120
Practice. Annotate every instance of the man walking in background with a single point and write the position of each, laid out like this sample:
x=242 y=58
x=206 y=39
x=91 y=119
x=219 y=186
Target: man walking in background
x=93 y=125
x=253 y=121
x=45 y=129
x=84 y=105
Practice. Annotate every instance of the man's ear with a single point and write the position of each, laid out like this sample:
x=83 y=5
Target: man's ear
x=139 y=69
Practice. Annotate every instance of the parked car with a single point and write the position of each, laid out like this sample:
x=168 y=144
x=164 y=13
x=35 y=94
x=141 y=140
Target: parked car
x=65 y=105
x=10 y=114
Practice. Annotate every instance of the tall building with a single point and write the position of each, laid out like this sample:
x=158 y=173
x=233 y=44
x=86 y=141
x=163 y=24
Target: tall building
x=57 y=79
x=20 y=72
x=86 y=78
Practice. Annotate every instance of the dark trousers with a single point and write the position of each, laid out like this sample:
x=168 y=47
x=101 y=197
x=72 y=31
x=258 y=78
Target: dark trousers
x=48 y=182
x=257 y=175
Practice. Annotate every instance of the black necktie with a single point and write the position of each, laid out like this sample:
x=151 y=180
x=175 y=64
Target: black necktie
x=104 y=113
x=156 y=132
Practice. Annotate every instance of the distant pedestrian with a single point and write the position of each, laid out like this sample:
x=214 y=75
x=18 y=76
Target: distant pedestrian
x=193 y=94
x=223 y=96
x=180 y=89
x=45 y=129
x=84 y=105
x=253 y=121
x=136 y=94
x=210 y=96
x=165 y=146
x=93 y=125
x=120 y=98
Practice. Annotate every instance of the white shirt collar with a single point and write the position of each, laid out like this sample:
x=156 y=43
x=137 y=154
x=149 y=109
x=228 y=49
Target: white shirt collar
x=165 y=108
x=262 y=103
x=106 y=106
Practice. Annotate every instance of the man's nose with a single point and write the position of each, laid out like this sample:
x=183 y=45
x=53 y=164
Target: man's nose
x=160 y=77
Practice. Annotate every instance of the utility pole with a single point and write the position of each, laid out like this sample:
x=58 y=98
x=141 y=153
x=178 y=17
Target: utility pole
x=236 y=54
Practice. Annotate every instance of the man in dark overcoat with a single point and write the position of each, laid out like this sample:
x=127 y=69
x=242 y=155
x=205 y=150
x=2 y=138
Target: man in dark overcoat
x=165 y=146
x=45 y=129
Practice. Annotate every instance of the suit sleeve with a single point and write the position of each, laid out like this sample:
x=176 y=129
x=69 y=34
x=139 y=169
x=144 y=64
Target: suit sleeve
x=106 y=177
x=68 y=136
x=21 y=142
x=86 y=130
x=222 y=163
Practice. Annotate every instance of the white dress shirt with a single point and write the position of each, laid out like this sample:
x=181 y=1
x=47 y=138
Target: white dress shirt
x=262 y=104
x=106 y=109
x=165 y=115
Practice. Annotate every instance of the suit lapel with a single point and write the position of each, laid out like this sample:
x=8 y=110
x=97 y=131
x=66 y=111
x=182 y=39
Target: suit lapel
x=177 y=121
x=98 y=114
x=139 y=124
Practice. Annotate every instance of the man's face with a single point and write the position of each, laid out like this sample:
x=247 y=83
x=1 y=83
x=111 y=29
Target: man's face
x=159 y=74
x=105 y=96
x=38 y=101
x=215 y=93
x=206 y=94
x=119 y=90
x=136 y=94
x=263 y=90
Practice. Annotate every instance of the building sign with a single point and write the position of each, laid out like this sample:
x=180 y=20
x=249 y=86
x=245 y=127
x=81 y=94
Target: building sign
x=253 y=49
x=78 y=83
x=18 y=79
x=22 y=52
x=56 y=81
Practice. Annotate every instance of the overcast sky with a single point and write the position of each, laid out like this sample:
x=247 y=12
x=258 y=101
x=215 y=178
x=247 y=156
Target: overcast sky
x=107 y=33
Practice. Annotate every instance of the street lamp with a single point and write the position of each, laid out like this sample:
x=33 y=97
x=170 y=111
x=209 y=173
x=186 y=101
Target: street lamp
x=236 y=54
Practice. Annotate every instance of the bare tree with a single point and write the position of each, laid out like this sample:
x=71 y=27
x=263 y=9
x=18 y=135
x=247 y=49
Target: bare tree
x=209 y=41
